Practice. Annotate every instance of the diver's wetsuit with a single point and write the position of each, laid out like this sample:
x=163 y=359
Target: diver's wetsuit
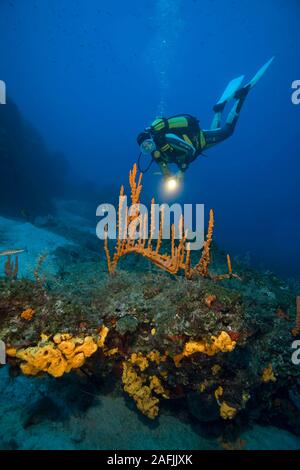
x=213 y=137
x=180 y=140
x=218 y=134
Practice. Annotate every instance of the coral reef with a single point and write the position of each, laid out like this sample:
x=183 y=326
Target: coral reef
x=177 y=339
x=144 y=389
x=27 y=314
x=58 y=356
x=268 y=374
x=220 y=349
x=227 y=411
x=222 y=343
x=141 y=390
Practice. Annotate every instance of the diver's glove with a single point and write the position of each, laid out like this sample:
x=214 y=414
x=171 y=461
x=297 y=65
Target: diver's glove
x=179 y=176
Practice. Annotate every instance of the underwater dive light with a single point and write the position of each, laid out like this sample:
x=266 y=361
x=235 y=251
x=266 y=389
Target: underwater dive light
x=171 y=184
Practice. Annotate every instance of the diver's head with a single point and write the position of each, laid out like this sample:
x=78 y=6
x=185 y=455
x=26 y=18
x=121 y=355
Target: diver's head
x=146 y=142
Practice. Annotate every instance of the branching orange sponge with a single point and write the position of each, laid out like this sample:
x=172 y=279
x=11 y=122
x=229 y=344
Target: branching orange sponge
x=203 y=265
x=128 y=241
x=11 y=268
x=126 y=238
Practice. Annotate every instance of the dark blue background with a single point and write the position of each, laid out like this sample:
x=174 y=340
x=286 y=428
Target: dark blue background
x=89 y=76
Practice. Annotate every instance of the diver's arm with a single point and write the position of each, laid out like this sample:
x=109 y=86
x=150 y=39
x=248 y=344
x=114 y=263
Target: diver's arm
x=157 y=157
x=188 y=151
x=180 y=173
x=181 y=145
x=164 y=169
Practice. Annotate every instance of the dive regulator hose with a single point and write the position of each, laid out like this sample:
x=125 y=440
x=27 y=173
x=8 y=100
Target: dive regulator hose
x=139 y=164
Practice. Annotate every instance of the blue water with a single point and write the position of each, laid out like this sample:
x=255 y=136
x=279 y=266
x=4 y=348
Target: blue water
x=90 y=76
x=87 y=77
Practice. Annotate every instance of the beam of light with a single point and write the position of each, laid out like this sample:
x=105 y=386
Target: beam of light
x=171 y=185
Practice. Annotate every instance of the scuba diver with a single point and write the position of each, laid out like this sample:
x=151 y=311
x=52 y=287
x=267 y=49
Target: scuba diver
x=180 y=140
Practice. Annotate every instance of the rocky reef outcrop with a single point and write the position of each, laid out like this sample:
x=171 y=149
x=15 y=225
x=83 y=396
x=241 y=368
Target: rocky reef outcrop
x=221 y=344
x=223 y=347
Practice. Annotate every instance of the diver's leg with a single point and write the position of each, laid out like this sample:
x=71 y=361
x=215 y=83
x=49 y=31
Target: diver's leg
x=215 y=136
x=232 y=91
x=216 y=122
x=234 y=114
x=227 y=96
x=241 y=94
